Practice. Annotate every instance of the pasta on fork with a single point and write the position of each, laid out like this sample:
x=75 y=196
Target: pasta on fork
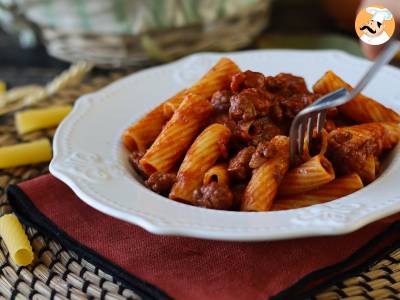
x=223 y=142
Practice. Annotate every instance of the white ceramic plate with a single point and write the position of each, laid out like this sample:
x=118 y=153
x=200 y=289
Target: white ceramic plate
x=89 y=156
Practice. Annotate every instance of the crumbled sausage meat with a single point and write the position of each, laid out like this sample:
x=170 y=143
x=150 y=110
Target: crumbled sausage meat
x=242 y=108
x=263 y=101
x=238 y=168
x=248 y=79
x=221 y=100
x=249 y=104
x=254 y=80
x=286 y=84
x=349 y=147
x=293 y=104
x=160 y=182
x=213 y=195
x=264 y=151
x=237 y=82
x=263 y=130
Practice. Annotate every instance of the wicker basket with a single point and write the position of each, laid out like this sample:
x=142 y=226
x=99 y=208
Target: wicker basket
x=148 y=31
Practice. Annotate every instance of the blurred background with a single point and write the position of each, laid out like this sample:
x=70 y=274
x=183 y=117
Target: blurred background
x=39 y=38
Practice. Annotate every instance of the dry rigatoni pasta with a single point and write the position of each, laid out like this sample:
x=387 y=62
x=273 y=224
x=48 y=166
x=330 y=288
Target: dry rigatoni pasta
x=311 y=174
x=177 y=135
x=16 y=240
x=217 y=78
x=36 y=119
x=263 y=186
x=337 y=188
x=362 y=108
x=25 y=153
x=202 y=155
x=217 y=173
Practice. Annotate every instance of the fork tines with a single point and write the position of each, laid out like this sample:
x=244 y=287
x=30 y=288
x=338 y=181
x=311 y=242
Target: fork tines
x=313 y=115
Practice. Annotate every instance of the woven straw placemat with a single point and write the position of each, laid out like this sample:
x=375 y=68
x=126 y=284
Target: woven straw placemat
x=60 y=274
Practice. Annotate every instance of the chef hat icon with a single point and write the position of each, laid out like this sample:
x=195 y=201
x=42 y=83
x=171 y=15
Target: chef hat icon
x=379 y=14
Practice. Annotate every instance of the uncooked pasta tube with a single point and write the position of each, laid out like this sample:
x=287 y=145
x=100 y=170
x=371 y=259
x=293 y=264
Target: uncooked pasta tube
x=16 y=240
x=25 y=154
x=36 y=119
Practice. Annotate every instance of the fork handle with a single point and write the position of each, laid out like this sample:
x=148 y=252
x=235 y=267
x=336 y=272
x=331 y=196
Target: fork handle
x=385 y=57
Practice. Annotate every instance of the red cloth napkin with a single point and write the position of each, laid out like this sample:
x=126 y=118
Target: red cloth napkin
x=188 y=268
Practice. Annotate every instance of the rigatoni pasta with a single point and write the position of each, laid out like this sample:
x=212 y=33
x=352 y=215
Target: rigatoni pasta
x=240 y=161
x=35 y=119
x=391 y=134
x=16 y=240
x=141 y=134
x=368 y=169
x=264 y=183
x=340 y=187
x=217 y=173
x=308 y=176
x=172 y=103
x=203 y=154
x=177 y=135
x=361 y=108
x=25 y=154
x=217 y=78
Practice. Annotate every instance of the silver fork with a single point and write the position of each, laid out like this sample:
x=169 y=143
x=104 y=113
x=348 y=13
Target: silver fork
x=305 y=120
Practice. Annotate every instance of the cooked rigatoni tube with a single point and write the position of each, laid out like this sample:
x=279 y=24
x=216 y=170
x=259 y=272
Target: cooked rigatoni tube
x=263 y=186
x=36 y=119
x=25 y=154
x=217 y=173
x=202 y=155
x=340 y=187
x=177 y=135
x=16 y=240
x=143 y=133
x=362 y=108
x=172 y=103
x=217 y=78
x=392 y=134
x=368 y=170
x=309 y=175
